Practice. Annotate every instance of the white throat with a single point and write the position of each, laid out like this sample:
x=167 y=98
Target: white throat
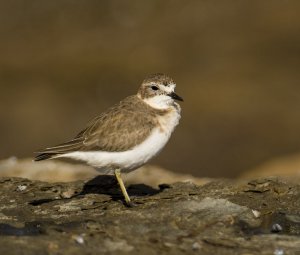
x=159 y=102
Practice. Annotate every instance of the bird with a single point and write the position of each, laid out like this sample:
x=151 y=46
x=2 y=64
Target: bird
x=127 y=135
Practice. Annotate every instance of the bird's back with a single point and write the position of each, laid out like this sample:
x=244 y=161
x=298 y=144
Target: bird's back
x=120 y=128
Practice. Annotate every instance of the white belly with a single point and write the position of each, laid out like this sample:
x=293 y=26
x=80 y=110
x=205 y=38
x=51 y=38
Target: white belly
x=107 y=162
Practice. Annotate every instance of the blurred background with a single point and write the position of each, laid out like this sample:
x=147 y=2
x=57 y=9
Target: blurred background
x=236 y=64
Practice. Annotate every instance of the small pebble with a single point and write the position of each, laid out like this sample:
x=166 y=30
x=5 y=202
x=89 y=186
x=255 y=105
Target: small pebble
x=276 y=228
x=196 y=246
x=278 y=252
x=256 y=213
x=68 y=193
x=167 y=244
x=78 y=239
x=21 y=187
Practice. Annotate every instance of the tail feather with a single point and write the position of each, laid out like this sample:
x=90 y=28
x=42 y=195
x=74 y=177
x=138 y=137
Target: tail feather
x=44 y=156
x=63 y=148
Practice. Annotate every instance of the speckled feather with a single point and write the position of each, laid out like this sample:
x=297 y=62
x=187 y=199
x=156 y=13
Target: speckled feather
x=120 y=128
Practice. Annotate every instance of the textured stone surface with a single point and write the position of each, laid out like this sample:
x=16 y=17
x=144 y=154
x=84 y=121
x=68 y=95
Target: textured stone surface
x=221 y=217
x=59 y=171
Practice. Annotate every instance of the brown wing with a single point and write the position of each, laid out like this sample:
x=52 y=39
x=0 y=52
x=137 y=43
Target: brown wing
x=72 y=145
x=118 y=129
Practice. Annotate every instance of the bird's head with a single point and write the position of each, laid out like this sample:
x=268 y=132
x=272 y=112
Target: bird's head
x=158 y=91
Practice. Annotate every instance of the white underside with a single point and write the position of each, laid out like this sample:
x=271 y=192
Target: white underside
x=107 y=162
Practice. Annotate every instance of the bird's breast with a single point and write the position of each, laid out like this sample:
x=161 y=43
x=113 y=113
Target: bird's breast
x=169 y=121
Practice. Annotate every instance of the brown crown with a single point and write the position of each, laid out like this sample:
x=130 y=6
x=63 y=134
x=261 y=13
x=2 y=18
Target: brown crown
x=158 y=78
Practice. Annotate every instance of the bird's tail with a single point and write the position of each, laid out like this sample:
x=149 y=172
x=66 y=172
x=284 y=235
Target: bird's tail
x=44 y=156
x=53 y=152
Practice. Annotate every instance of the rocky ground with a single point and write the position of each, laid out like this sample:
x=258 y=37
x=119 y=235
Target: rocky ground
x=89 y=217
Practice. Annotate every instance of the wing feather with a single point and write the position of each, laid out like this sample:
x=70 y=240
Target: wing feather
x=118 y=129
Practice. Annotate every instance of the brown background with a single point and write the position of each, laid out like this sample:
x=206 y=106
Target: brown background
x=236 y=63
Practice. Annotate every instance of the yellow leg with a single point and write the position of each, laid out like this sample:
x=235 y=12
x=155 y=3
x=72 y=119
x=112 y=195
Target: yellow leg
x=122 y=186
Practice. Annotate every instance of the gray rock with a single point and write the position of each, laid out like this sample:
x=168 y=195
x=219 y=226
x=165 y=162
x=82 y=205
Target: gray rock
x=184 y=218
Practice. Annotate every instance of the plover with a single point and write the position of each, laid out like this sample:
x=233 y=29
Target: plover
x=127 y=135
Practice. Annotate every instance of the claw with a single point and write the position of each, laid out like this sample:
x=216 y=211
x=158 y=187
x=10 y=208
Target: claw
x=131 y=204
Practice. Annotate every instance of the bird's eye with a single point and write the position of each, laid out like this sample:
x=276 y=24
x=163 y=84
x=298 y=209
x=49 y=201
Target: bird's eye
x=154 y=88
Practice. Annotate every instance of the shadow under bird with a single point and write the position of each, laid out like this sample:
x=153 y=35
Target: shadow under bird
x=127 y=135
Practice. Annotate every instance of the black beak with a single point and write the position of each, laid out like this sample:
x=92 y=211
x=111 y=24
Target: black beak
x=175 y=96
